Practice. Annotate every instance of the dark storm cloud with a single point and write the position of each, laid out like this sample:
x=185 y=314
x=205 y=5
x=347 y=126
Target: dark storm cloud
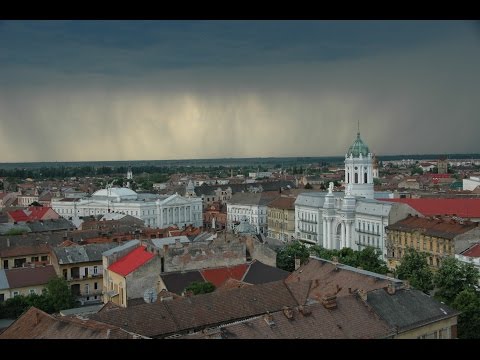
x=158 y=90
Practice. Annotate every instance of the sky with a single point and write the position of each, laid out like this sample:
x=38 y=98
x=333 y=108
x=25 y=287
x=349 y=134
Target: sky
x=154 y=90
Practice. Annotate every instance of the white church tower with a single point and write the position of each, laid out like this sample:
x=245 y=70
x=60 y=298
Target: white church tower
x=359 y=169
x=129 y=176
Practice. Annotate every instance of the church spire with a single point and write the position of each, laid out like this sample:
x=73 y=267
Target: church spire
x=358 y=127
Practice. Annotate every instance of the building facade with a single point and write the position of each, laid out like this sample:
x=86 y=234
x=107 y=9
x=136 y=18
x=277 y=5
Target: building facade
x=436 y=237
x=157 y=211
x=281 y=219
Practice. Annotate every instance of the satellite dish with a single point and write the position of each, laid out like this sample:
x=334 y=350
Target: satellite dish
x=150 y=295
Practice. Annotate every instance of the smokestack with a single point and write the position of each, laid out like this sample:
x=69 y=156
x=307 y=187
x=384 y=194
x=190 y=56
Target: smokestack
x=391 y=288
x=297 y=263
x=329 y=302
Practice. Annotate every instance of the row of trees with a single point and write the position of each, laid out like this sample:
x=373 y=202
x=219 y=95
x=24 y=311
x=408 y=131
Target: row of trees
x=367 y=259
x=57 y=296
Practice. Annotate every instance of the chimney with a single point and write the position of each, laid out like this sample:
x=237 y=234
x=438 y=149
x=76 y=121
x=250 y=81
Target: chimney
x=391 y=288
x=297 y=263
x=305 y=310
x=288 y=312
x=363 y=294
x=269 y=319
x=329 y=302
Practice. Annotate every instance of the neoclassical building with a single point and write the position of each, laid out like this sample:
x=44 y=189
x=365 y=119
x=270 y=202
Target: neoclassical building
x=157 y=211
x=353 y=218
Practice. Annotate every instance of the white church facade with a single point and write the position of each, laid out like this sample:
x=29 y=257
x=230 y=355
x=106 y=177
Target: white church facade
x=353 y=218
x=157 y=211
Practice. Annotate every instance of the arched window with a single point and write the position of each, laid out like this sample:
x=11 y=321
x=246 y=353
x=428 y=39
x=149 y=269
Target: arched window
x=348 y=178
x=356 y=178
x=365 y=178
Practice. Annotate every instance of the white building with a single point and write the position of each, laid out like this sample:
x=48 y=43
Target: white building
x=352 y=219
x=251 y=207
x=156 y=210
x=471 y=184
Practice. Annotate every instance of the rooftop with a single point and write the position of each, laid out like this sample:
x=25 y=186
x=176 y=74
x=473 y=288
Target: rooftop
x=131 y=261
x=23 y=277
x=465 y=208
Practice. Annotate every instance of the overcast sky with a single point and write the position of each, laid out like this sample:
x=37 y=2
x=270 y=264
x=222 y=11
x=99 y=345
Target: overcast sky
x=133 y=90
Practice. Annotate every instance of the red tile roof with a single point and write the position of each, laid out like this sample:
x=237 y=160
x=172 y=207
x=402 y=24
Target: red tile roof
x=218 y=276
x=473 y=251
x=31 y=214
x=447 y=229
x=465 y=208
x=132 y=261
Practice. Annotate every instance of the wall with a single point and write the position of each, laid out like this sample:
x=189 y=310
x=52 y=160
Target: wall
x=146 y=276
x=259 y=251
x=467 y=239
x=204 y=255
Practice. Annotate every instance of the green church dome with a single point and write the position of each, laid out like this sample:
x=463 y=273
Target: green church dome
x=358 y=147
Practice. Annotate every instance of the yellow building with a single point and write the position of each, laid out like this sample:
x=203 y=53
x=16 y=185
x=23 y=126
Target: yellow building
x=281 y=218
x=82 y=267
x=134 y=272
x=438 y=238
x=19 y=256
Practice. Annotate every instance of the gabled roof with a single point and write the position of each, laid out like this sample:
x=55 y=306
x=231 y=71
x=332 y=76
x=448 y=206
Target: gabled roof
x=447 y=229
x=283 y=202
x=31 y=214
x=329 y=278
x=82 y=253
x=131 y=261
x=177 y=282
x=259 y=273
x=408 y=308
x=36 y=324
x=23 y=277
x=349 y=320
x=219 y=275
x=465 y=208
x=162 y=318
x=25 y=250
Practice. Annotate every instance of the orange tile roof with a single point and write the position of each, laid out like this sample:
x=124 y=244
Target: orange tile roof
x=218 y=276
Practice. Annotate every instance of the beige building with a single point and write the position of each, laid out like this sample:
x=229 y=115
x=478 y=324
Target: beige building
x=24 y=281
x=129 y=271
x=82 y=267
x=281 y=218
x=438 y=238
x=19 y=256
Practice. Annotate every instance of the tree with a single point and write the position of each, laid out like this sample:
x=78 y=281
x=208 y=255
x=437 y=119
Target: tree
x=417 y=170
x=453 y=277
x=308 y=186
x=414 y=268
x=59 y=295
x=199 y=287
x=468 y=302
x=287 y=254
x=35 y=203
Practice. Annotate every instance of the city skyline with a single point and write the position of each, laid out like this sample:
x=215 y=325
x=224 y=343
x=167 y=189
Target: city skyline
x=147 y=90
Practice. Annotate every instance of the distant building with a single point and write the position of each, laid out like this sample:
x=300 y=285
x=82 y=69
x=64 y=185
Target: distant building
x=353 y=219
x=472 y=183
x=442 y=165
x=33 y=213
x=155 y=210
x=438 y=238
x=24 y=281
x=281 y=218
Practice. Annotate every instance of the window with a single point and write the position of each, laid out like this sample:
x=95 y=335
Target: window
x=44 y=258
x=87 y=288
x=95 y=286
x=32 y=291
x=34 y=259
x=15 y=293
x=5 y=264
x=95 y=270
x=2 y=298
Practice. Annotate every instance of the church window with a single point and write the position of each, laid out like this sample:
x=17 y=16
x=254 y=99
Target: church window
x=356 y=178
x=348 y=178
x=365 y=178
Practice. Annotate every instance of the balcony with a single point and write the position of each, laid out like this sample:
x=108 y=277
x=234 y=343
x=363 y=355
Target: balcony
x=308 y=221
x=370 y=232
